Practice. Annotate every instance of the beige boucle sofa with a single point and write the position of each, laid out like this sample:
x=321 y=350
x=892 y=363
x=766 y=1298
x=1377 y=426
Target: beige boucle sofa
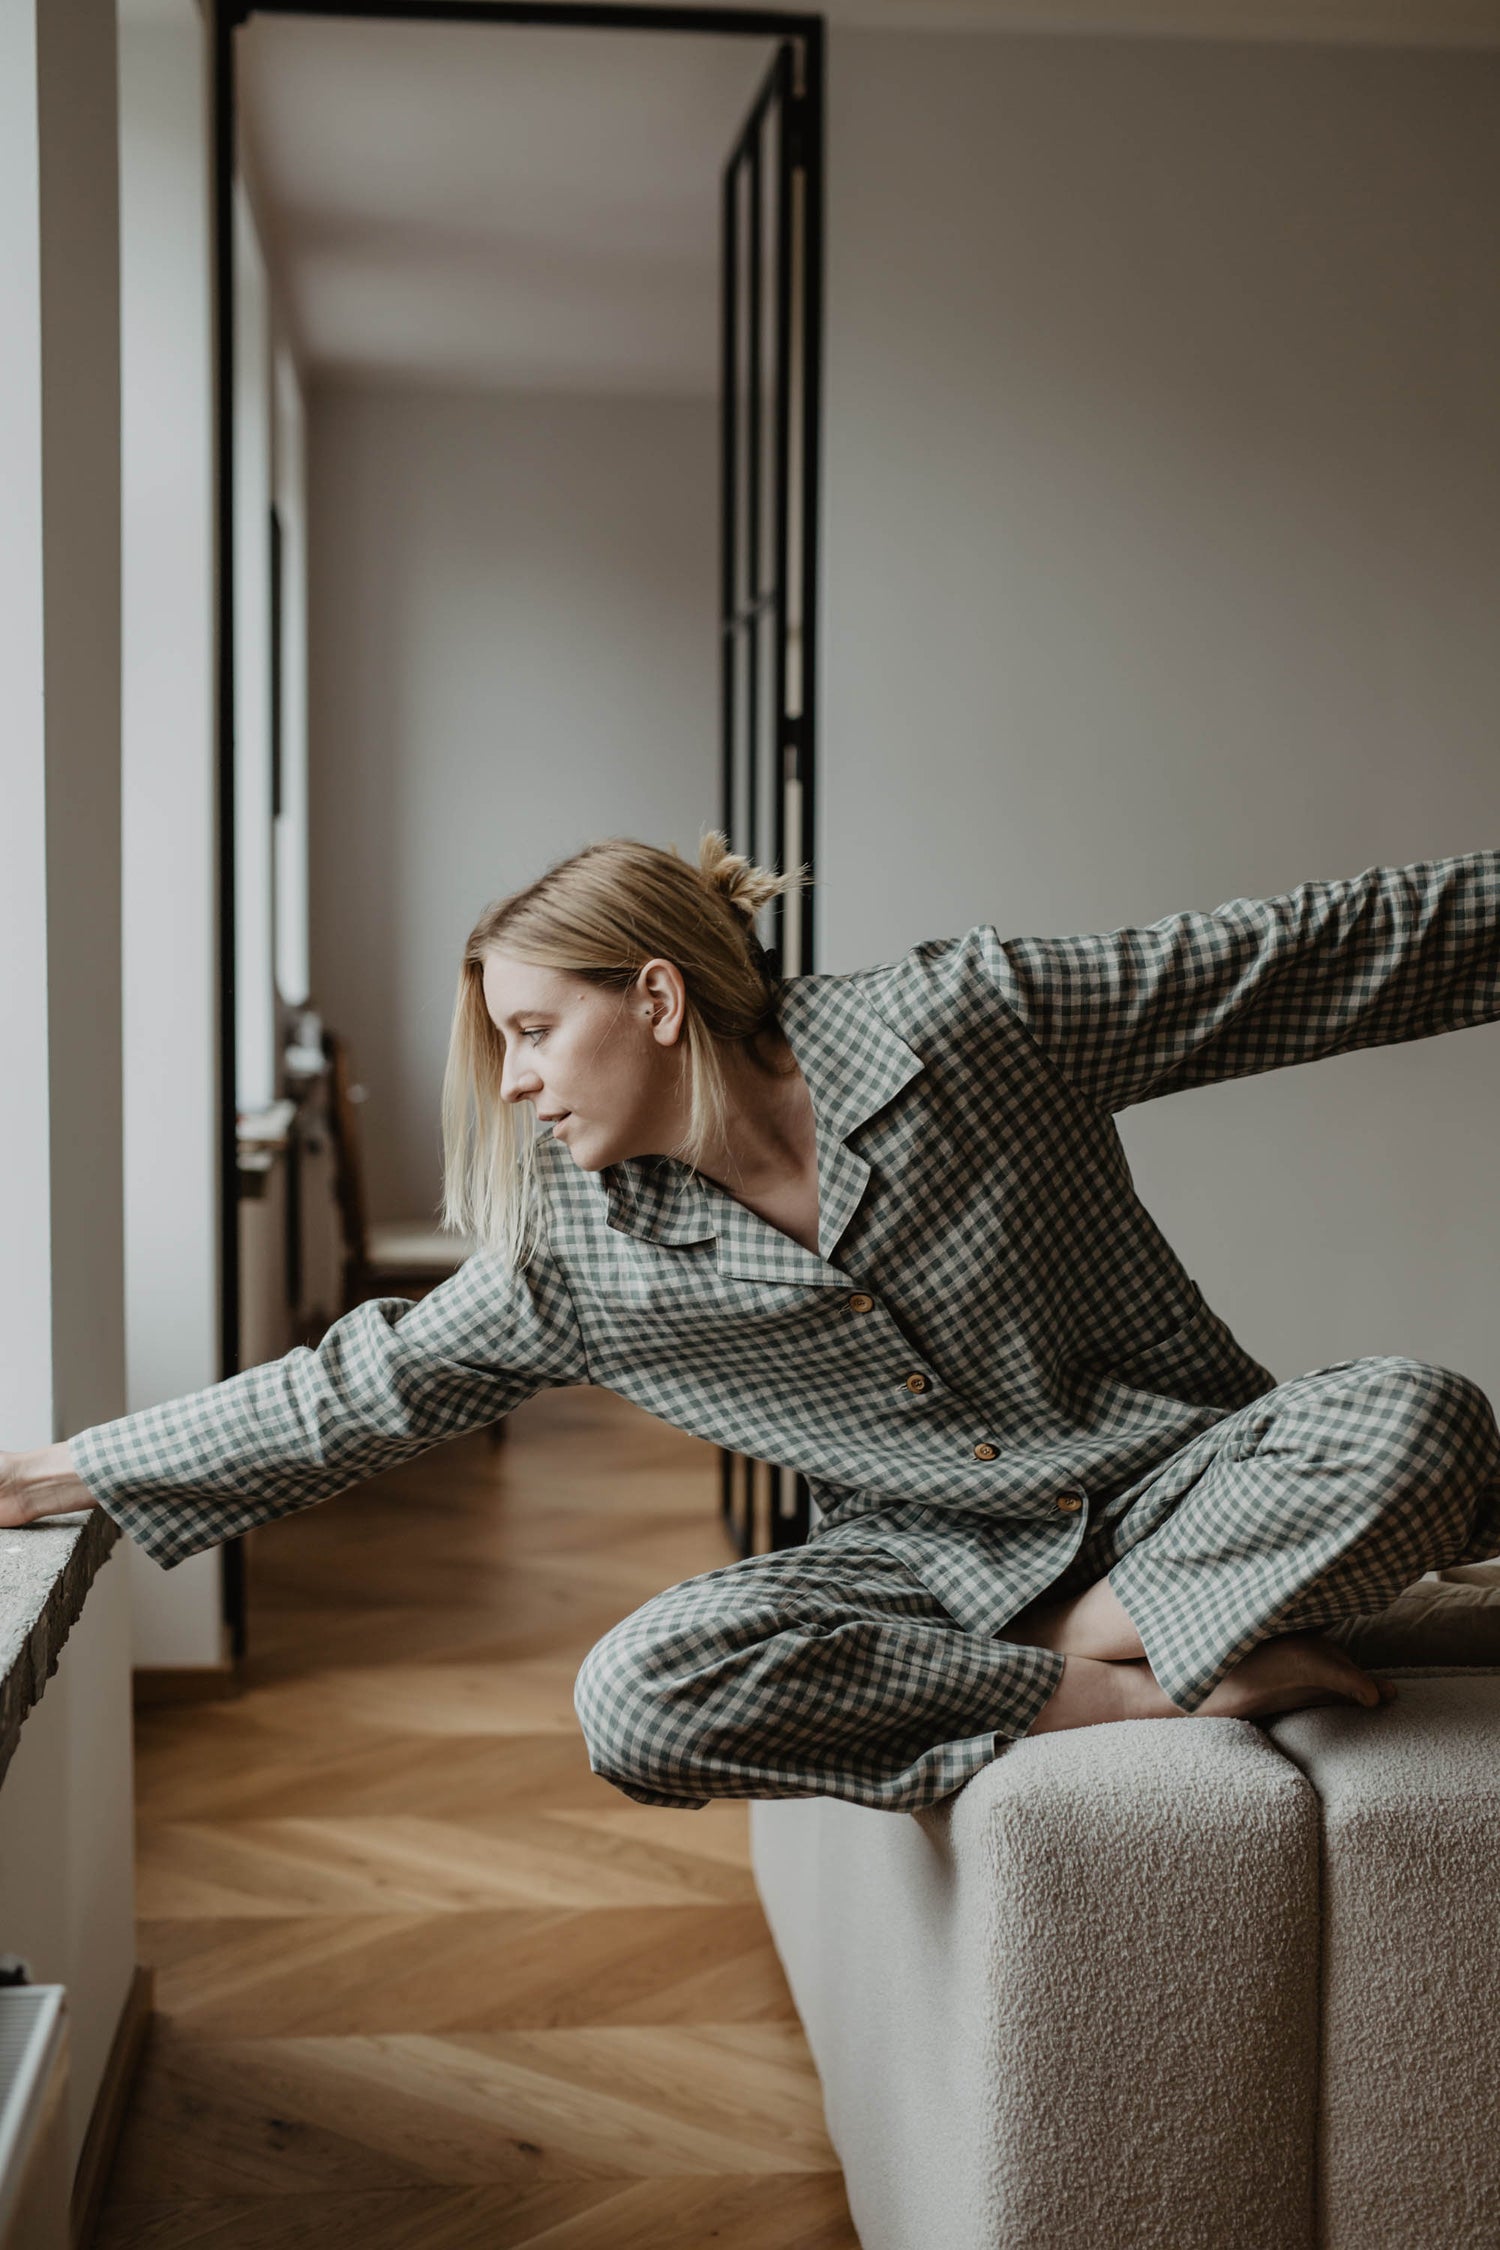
x=1168 y=1985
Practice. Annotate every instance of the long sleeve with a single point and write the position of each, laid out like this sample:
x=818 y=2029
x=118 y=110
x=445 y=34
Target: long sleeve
x=389 y=1379
x=1394 y=953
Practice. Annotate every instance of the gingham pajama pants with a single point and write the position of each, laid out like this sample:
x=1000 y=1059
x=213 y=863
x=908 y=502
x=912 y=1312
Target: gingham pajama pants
x=830 y=1669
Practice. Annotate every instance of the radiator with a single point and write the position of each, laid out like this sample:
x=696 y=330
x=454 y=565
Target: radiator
x=34 y=2168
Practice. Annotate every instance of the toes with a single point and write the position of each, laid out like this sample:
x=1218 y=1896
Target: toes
x=1360 y=1685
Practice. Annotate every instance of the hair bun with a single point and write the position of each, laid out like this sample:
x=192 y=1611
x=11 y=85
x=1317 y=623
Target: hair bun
x=738 y=880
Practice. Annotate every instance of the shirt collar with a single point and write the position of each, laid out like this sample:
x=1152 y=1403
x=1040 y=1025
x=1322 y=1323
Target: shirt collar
x=854 y=1063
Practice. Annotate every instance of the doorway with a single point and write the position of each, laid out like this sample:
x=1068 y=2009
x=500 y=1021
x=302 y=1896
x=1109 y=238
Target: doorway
x=769 y=291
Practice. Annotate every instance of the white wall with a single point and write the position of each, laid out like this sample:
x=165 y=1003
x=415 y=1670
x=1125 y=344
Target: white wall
x=513 y=651
x=170 y=903
x=168 y=849
x=65 y=1808
x=26 y=1414
x=254 y=486
x=61 y=1330
x=293 y=975
x=80 y=617
x=1162 y=562
x=67 y=1835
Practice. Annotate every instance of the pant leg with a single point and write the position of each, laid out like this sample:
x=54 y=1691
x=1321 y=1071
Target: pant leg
x=1324 y=1498
x=819 y=1671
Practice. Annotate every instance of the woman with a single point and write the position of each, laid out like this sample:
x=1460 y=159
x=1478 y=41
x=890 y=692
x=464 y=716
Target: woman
x=879 y=1227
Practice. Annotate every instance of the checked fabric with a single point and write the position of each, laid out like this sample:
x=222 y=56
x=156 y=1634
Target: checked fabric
x=995 y=1372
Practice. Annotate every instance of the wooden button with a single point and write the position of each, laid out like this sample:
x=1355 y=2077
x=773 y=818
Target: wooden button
x=859 y=1302
x=986 y=1452
x=916 y=1382
x=1069 y=1503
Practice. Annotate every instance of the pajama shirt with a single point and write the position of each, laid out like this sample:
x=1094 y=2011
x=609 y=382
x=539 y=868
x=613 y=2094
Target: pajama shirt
x=994 y=1372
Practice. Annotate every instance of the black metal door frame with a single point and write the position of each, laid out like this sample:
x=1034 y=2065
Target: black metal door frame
x=802 y=36
x=771 y=275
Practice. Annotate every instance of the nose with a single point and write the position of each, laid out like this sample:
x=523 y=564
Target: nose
x=518 y=1084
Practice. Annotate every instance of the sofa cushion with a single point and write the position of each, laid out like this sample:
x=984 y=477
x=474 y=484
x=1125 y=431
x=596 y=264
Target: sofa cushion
x=1449 y=1617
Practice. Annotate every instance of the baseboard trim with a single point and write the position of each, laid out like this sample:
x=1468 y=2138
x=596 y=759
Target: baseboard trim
x=108 y=2116
x=182 y=1683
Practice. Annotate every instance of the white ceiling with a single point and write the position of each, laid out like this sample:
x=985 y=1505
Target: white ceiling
x=496 y=205
x=510 y=207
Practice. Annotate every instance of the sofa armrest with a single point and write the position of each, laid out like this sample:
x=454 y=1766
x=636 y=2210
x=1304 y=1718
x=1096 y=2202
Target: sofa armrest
x=1410 y=2060
x=1074 y=2004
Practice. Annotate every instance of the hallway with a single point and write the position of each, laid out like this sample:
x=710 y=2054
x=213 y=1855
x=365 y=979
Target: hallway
x=423 y=1982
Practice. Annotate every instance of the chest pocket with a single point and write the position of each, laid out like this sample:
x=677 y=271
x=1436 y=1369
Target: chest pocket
x=1197 y=1361
x=687 y=1313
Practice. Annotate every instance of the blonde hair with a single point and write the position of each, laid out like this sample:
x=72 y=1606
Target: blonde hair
x=601 y=915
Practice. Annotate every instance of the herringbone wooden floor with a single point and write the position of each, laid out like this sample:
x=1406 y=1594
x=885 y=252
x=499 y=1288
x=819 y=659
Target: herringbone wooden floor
x=424 y=1982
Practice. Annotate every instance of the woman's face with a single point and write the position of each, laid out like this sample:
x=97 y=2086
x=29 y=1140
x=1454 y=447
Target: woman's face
x=607 y=1066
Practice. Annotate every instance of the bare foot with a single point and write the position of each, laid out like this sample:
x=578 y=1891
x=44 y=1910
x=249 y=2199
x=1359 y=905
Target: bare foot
x=1292 y=1672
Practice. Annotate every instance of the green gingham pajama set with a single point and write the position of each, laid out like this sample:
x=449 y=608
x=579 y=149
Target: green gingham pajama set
x=996 y=1375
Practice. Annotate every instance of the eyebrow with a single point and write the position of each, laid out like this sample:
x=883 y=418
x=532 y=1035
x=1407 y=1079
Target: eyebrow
x=516 y=1018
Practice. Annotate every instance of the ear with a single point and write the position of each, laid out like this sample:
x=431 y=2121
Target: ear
x=661 y=995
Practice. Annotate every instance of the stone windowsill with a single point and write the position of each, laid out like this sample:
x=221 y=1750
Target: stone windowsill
x=46 y=1570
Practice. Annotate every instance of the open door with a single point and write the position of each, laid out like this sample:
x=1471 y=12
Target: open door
x=772 y=294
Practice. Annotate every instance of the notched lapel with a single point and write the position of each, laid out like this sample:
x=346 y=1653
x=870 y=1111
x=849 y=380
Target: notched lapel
x=854 y=1064
x=843 y=1176
x=752 y=1249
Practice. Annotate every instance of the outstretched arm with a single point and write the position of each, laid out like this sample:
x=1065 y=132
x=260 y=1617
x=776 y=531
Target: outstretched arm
x=388 y=1380
x=1392 y=954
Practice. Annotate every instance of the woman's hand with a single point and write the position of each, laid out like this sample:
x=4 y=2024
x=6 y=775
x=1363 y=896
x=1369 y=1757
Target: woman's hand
x=13 y=1508
x=42 y=1483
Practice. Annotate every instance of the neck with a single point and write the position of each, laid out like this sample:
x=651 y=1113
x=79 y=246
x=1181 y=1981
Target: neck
x=770 y=1137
